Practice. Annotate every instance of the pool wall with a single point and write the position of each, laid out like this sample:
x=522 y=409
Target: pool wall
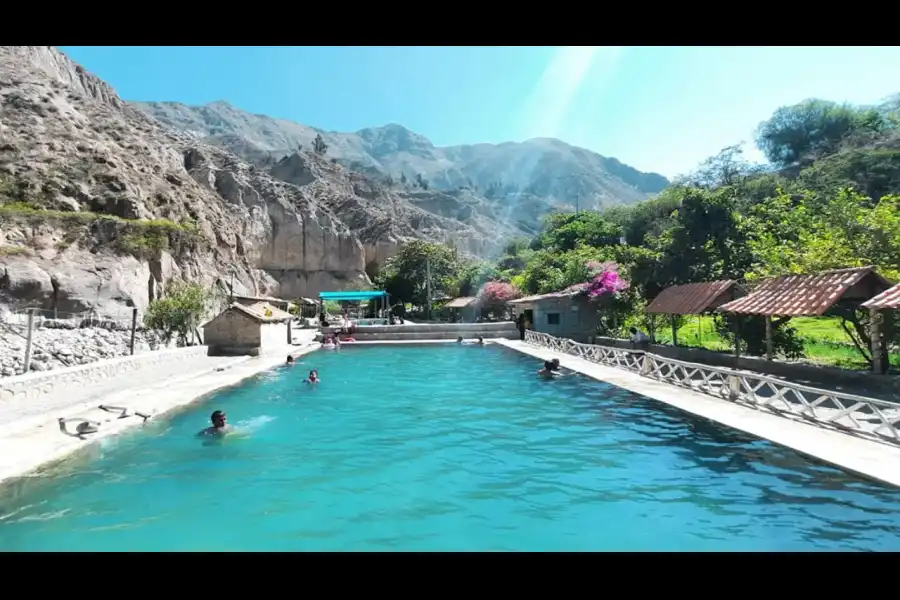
x=864 y=457
x=432 y=332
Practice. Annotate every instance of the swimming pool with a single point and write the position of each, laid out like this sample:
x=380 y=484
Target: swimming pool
x=443 y=447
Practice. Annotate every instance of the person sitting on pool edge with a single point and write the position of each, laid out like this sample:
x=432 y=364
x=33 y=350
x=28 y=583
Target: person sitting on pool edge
x=219 y=425
x=313 y=377
x=551 y=369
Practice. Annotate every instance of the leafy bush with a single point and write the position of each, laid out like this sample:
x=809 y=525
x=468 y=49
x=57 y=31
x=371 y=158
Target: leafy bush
x=178 y=311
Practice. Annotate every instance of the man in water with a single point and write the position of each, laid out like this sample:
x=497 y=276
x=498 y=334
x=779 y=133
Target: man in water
x=459 y=340
x=313 y=377
x=219 y=426
x=480 y=341
x=551 y=369
x=290 y=359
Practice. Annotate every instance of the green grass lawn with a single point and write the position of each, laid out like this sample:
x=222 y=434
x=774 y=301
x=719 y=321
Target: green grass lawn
x=824 y=340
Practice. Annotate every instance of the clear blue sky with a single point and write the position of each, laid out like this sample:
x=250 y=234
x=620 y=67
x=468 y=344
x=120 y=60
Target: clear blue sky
x=655 y=108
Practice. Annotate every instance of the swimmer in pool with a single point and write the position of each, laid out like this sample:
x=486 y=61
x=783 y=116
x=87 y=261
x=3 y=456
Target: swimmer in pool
x=313 y=377
x=459 y=340
x=551 y=369
x=480 y=341
x=290 y=359
x=219 y=426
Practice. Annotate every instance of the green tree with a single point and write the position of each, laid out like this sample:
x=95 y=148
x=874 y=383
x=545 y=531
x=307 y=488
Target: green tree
x=178 y=311
x=474 y=275
x=404 y=275
x=812 y=128
x=563 y=232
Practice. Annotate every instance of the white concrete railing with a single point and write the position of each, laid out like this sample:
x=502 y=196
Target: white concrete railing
x=865 y=417
x=32 y=386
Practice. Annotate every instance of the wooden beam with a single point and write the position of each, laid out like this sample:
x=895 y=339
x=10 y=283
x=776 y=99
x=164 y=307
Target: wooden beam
x=769 y=343
x=674 y=330
x=875 y=317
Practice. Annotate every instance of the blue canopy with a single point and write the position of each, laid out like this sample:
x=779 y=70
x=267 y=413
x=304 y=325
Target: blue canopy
x=351 y=295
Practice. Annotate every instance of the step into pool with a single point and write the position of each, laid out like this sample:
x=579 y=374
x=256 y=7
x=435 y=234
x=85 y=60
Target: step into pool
x=442 y=447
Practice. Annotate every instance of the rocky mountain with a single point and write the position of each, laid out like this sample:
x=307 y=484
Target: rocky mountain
x=102 y=205
x=549 y=171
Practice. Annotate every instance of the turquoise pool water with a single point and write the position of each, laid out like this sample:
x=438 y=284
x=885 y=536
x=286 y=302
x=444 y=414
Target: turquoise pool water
x=444 y=447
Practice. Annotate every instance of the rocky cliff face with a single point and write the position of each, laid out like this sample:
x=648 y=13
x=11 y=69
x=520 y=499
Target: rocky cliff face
x=102 y=206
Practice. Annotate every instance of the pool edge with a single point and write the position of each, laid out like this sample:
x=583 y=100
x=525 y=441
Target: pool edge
x=42 y=447
x=865 y=458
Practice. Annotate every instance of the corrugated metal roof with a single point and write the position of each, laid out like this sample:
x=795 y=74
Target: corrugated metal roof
x=572 y=290
x=461 y=302
x=690 y=298
x=800 y=295
x=887 y=299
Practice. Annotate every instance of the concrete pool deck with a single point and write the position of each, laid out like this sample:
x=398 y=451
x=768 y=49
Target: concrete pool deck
x=34 y=441
x=863 y=457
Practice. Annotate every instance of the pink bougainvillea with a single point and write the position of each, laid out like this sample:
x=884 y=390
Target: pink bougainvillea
x=605 y=279
x=497 y=293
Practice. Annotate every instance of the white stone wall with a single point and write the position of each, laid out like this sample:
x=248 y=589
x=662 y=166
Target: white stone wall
x=32 y=387
x=273 y=336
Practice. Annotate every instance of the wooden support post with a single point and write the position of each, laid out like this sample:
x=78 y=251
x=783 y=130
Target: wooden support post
x=28 y=340
x=737 y=338
x=133 y=330
x=674 y=331
x=769 y=343
x=652 y=329
x=875 y=334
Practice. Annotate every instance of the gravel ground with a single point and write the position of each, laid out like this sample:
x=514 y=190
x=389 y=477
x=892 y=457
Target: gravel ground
x=65 y=343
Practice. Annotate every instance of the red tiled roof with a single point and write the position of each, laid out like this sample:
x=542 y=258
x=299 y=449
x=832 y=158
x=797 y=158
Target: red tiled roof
x=691 y=298
x=887 y=299
x=800 y=295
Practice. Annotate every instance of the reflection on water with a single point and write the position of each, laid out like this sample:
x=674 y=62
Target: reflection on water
x=444 y=448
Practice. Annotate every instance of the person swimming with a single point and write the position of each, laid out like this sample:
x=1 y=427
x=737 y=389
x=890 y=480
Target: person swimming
x=313 y=377
x=551 y=369
x=480 y=341
x=290 y=360
x=459 y=340
x=219 y=425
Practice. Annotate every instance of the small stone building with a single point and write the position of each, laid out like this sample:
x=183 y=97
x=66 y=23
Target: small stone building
x=566 y=314
x=248 y=330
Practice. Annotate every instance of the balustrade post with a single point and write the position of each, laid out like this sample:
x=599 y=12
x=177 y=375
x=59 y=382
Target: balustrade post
x=646 y=365
x=734 y=387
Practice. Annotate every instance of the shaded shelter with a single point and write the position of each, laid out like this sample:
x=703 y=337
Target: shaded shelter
x=357 y=296
x=463 y=307
x=692 y=299
x=811 y=295
x=886 y=300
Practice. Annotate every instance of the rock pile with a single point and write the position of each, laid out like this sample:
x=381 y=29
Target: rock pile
x=57 y=344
